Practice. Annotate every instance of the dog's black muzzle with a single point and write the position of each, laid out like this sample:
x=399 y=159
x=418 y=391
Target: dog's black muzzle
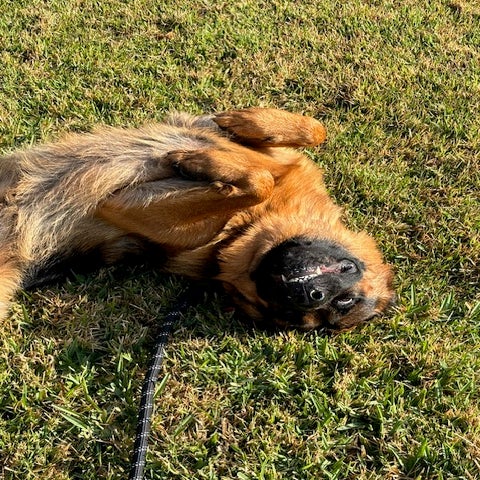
x=305 y=275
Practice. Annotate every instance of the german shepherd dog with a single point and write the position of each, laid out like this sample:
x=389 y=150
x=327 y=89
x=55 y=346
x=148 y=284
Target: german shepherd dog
x=225 y=197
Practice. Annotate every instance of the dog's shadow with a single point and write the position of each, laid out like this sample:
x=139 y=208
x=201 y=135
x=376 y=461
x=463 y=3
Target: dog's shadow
x=101 y=329
x=94 y=308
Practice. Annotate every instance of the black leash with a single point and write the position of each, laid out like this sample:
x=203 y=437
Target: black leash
x=188 y=299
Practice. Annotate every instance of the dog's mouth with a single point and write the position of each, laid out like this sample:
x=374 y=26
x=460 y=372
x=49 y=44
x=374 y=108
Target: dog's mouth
x=312 y=272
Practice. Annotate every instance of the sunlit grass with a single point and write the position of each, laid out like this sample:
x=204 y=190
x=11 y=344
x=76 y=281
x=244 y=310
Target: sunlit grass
x=397 y=85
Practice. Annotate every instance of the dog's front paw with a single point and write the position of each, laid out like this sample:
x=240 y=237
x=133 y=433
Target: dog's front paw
x=270 y=127
x=190 y=164
x=246 y=125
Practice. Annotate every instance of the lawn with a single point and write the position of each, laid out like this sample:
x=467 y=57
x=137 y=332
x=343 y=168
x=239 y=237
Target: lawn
x=397 y=85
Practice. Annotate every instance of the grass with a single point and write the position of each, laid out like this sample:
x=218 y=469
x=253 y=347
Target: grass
x=398 y=86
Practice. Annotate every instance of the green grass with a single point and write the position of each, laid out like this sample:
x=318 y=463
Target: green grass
x=398 y=86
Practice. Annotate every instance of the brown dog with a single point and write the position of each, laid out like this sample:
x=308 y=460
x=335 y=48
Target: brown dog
x=221 y=197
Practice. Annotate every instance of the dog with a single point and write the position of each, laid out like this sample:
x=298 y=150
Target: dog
x=225 y=197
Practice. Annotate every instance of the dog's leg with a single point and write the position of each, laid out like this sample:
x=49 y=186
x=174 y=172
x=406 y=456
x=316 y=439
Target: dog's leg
x=243 y=177
x=10 y=261
x=212 y=185
x=269 y=127
x=10 y=275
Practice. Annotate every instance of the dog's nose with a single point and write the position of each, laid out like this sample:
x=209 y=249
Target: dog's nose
x=306 y=296
x=316 y=295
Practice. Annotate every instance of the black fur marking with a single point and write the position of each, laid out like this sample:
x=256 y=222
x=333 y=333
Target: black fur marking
x=212 y=267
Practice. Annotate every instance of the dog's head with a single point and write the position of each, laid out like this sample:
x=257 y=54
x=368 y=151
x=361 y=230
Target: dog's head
x=310 y=283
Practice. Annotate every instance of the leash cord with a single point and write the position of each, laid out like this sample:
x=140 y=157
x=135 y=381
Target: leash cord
x=148 y=388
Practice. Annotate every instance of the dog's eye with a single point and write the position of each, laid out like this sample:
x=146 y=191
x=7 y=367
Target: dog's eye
x=344 y=303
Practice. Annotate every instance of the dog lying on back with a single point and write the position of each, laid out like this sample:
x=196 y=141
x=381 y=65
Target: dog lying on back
x=222 y=197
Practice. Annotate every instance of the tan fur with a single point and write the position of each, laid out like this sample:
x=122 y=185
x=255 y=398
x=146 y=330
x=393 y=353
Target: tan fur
x=241 y=191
